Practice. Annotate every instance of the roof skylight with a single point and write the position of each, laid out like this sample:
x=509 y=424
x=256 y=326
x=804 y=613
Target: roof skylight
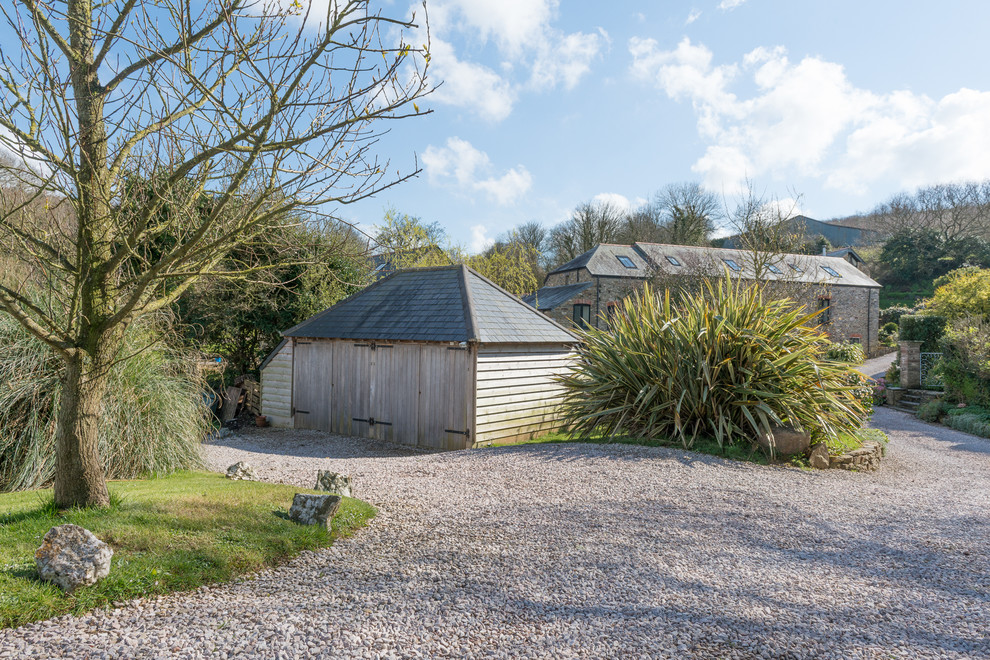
x=831 y=271
x=732 y=264
x=625 y=261
x=673 y=261
x=774 y=269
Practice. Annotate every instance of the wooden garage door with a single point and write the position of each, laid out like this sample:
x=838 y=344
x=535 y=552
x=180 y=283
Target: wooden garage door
x=446 y=388
x=311 y=384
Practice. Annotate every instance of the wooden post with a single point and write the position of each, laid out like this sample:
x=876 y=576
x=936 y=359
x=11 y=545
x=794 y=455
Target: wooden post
x=910 y=364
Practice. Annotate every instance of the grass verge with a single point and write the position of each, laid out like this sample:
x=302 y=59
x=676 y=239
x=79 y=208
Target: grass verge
x=171 y=533
x=736 y=452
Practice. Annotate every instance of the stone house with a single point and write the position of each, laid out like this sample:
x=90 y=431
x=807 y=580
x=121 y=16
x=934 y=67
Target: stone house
x=584 y=290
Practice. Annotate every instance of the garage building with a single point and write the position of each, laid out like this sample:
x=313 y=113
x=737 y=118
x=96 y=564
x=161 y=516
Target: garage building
x=438 y=358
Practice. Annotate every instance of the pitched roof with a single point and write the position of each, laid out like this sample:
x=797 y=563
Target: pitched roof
x=448 y=304
x=603 y=260
x=842 y=253
x=835 y=233
x=809 y=269
x=549 y=297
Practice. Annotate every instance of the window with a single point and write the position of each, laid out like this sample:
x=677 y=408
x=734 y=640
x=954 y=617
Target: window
x=796 y=268
x=732 y=264
x=831 y=271
x=824 y=310
x=582 y=315
x=381 y=266
x=775 y=270
x=626 y=261
x=855 y=339
x=673 y=261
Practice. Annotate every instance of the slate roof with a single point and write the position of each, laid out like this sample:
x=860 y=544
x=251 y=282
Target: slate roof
x=836 y=234
x=812 y=267
x=603 y=260
x=550 y=297
x=846 y=251
x=446 y=304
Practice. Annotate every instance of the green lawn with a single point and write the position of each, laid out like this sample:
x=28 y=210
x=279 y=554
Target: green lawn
x=168 y=534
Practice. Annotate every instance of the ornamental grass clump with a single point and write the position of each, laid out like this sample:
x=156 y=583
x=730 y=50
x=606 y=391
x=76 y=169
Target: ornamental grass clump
x=153 y=417
x=726 y=362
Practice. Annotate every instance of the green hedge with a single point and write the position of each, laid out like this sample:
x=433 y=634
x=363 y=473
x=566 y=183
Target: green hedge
x=927 y=329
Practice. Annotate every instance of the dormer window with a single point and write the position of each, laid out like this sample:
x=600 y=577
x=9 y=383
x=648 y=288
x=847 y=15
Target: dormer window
x=673 y=261
x=732 y=264
x=625 y=261
x=831 y=271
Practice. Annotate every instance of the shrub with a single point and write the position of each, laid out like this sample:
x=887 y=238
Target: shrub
x=893 y=374
x=926 y=329
x=153 y=416
x=965 y=365
x=969 y=423
x=847 y=352
x=888 y=334
x=880 y=392
x=963 y=292
x=722 y=362
x=933 y=411
x=893 y=314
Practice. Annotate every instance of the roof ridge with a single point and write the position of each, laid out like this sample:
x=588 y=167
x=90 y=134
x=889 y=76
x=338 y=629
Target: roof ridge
x=517 y=300
x=470 y=322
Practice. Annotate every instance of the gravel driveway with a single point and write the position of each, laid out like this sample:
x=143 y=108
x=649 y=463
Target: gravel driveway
x=564 y=551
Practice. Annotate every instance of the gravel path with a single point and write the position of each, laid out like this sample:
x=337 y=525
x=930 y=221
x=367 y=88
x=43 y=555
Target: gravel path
x=586 y=551
x=877 y=367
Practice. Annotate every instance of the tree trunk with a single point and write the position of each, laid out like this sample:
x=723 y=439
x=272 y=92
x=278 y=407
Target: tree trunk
x=79 y=477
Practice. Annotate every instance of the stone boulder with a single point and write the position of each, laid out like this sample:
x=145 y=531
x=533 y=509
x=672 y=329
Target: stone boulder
x=72 y=557
x=314 y=509
x=241 y=471
x=785 y=441
x=335 y=484
x=818 y=458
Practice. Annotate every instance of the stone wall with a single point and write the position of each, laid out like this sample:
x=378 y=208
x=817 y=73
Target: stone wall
x=866 y=458
x=855 y=310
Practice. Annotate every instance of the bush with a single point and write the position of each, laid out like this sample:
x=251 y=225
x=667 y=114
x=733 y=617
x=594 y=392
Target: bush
x=962 y=293
x=893 y=314
x=721 y=363
x=965 y=365
x=976 y=424
x=933 y=411
x=850 y=353
x=153 y=416
x=893 y=374
x=926 y=329
x=888 y=334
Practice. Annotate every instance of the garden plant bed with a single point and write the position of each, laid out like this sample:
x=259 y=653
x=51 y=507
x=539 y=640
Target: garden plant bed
x=172 y=533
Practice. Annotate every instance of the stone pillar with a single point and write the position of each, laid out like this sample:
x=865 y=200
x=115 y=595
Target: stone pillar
x=910 y=364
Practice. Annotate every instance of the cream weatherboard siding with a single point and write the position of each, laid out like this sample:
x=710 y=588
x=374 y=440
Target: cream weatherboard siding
x=516 y=393
x=276 y=388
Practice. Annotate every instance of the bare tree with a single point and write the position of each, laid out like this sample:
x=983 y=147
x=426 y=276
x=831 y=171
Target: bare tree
x=690 y=213
x=765 y=230
x=953 y=211
x=236 y=113
x=591 y=223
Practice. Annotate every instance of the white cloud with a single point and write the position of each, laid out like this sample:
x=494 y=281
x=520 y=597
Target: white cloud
x=468 y=84
x=621 y=202
x=479 y=239
x=469 y=169
x=730 y=4
x=807 y=119
x=534 y=54
x=693 y=16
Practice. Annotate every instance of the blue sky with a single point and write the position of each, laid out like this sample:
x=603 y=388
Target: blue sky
x=546 y=104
